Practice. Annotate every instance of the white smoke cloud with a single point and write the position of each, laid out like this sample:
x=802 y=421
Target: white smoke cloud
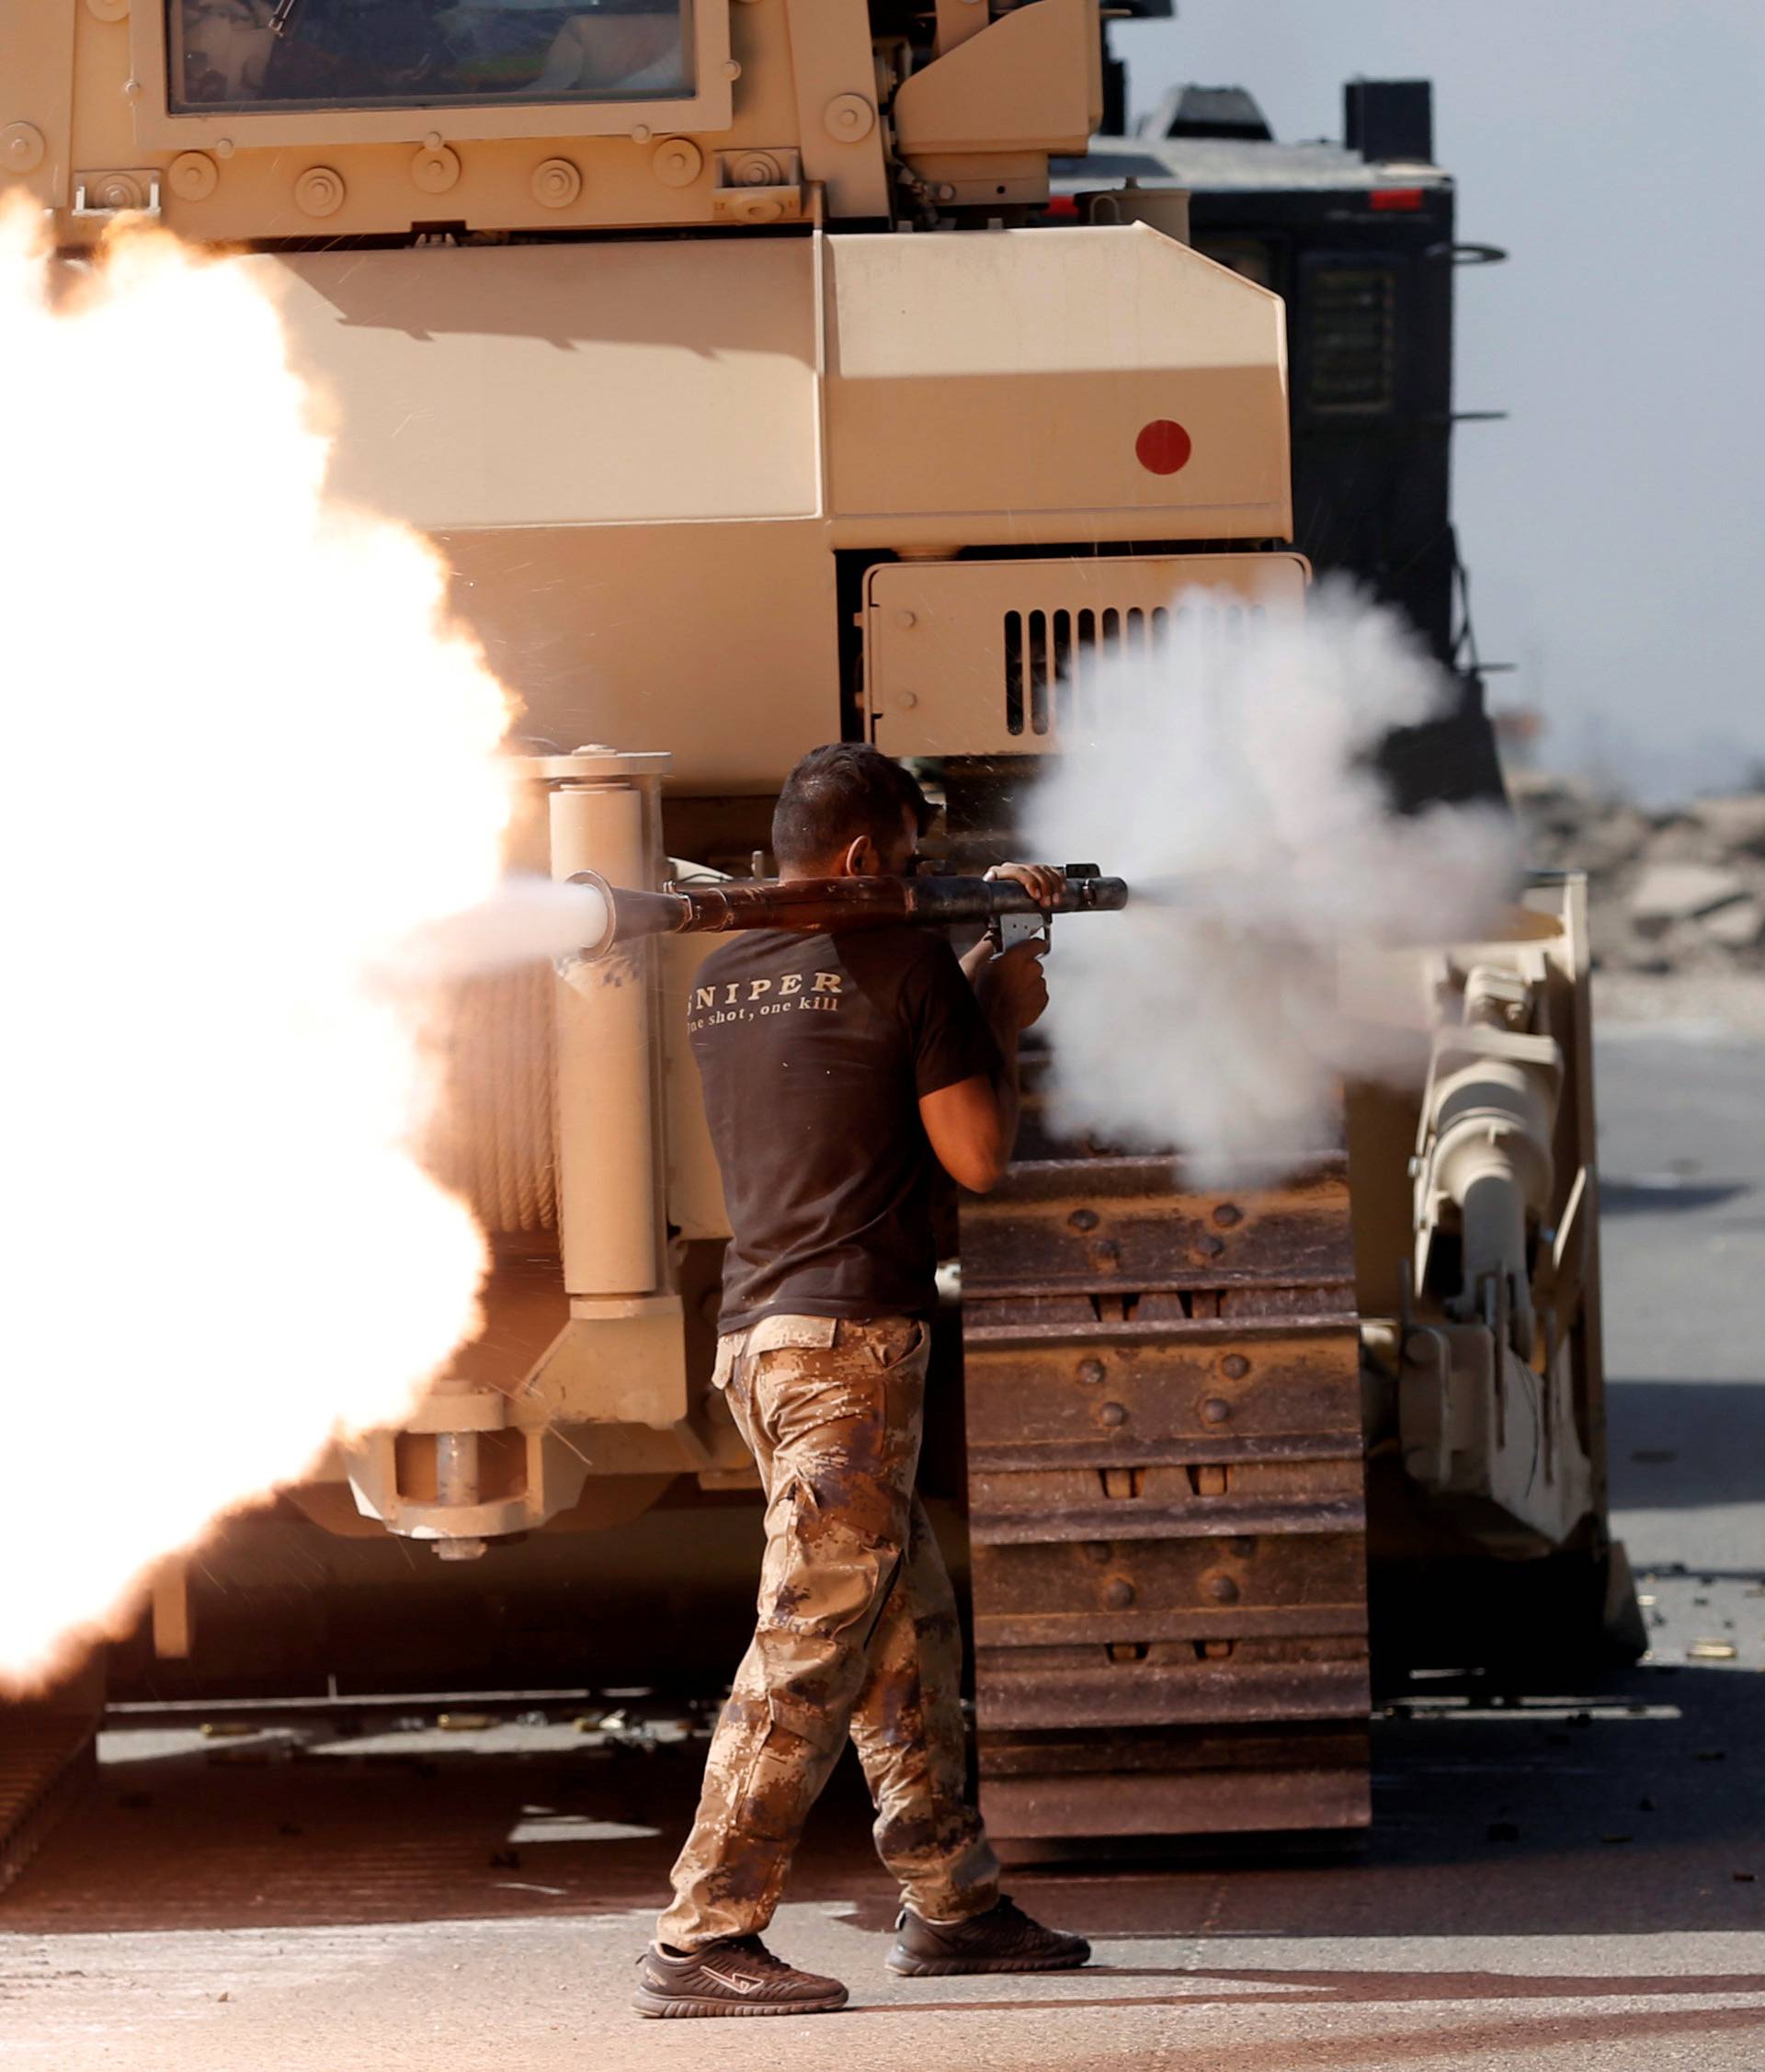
x=243 y=756
x=1231 y=761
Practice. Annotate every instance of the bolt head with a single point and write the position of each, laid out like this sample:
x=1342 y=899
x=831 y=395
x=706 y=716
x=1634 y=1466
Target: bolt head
x=1091 y=1371
x=1234 y=1366
x=1113 y=1414
x=1221 y=1589
x=1117 y=1594
x=22 y=146
x=1216 y=1410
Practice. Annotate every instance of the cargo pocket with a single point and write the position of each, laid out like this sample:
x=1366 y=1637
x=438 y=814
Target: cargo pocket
x=804 y=1722
x=897 y=1344
x=729 y=1349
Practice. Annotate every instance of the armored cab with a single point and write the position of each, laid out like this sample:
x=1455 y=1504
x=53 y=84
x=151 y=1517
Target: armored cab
x=761 y=386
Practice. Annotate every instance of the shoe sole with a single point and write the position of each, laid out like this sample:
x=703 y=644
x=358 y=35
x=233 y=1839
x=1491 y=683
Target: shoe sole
x=663 y=2006
x=957 y=1967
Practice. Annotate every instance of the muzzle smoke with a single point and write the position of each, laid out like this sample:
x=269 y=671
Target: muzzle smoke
x=1233 y=757
x=244 y=762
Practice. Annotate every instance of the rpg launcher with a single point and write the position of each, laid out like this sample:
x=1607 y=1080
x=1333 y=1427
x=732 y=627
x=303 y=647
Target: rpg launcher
x=614 y=916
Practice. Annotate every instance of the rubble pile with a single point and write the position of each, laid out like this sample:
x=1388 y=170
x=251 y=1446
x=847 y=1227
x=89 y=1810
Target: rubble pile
x=1670 y=891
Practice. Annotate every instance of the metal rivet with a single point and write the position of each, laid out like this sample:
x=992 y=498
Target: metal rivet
x=1215 y=1410
x=1113 y=1414
x=1221 y=1589
x=21 y=147
x=320 y=191
x=556 y=183
x=1091 y=1370
x=731 y=69
x=120 y=191
x=849 y=117
x=1117 y=1594
x=1082 y=1219
x=1210 y=1248
x=676 y=161
x=906 y=699
x=642 y=133
x=904 y=620
x=193 y=176
x=1228 y=1213
x=108 y=10
x=1234 y=1366
x=435 y=169
x=1106 y=1251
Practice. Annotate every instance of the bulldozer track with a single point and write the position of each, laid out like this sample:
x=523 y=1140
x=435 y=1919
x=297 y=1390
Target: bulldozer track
x=47 y=1759
x=1167 y=1515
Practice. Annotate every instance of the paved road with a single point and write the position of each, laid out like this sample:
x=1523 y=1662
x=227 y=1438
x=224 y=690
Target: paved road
x=1577 y=1880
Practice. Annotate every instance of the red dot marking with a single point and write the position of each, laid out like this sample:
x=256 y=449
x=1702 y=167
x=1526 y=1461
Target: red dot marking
x=1163 y=446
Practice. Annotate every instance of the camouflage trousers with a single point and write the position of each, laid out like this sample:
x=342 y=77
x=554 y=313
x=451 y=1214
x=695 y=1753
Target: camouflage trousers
x=856 y=1634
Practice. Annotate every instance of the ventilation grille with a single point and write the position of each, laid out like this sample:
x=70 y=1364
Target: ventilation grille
x=1353 y=343
x=1054 y=659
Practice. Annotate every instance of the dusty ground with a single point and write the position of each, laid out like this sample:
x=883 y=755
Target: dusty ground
x=1576 y=1881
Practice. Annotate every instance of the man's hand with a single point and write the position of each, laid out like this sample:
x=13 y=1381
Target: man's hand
x=1012 y=987
x=1043 y=882
x=973 y=1125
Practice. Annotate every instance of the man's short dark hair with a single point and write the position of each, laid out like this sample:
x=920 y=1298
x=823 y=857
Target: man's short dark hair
x=837 y=793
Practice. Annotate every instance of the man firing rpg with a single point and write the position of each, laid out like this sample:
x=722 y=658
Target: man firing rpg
x=840 y=1071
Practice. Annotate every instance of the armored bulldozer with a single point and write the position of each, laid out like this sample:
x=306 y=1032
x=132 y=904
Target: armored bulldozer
x=770 y=371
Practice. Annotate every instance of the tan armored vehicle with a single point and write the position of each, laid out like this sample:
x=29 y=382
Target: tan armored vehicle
x=730 y=353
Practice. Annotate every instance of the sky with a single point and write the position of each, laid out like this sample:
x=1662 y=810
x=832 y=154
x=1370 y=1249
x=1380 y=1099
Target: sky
x=1612 y=525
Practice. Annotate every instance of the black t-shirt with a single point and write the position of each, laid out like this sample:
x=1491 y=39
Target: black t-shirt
x=814 y=1051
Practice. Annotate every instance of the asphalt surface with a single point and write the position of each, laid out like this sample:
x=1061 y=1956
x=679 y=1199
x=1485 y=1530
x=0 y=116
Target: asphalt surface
x=1572 y=1879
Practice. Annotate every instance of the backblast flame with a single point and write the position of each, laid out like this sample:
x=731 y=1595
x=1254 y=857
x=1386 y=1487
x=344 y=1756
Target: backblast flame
x=244 y=758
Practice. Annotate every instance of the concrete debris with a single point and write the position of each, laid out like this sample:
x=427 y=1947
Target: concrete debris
x=1667 y=892
x=1734 y=823
x=1740 y=924
x=1670 y=891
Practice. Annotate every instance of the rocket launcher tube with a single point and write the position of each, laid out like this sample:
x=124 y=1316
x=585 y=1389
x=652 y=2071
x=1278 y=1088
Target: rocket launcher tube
x=820 y=904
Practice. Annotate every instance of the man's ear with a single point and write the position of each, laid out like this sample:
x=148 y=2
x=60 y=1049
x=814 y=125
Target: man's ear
x=861 y=860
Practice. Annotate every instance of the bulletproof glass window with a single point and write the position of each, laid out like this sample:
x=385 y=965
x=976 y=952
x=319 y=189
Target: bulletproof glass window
x=292 y=54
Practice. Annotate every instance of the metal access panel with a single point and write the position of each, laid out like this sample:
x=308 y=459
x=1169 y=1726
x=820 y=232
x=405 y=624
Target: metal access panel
x=999 y=657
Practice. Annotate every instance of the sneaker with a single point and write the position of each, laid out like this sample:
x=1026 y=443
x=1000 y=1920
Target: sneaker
x=737 y=1975
x=1003 y=1938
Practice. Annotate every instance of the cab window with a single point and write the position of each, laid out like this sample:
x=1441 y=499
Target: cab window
x=419 y=53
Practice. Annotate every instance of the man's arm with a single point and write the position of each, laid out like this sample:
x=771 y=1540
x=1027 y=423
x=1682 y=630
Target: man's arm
x=973 y=1124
